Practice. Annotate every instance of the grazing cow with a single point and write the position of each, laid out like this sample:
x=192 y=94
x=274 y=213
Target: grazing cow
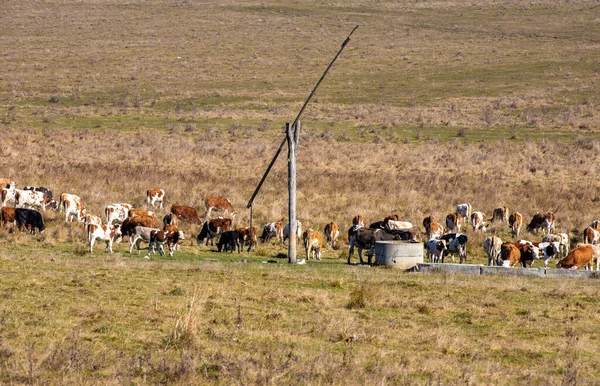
x=582 y=256
x=273 y=229
x=595 y=224
x=247 y=236
x=159 y=238
x=436 y=230
x=515 y=223
x=229 y=241
x=427 y=221
x=456 y=244
x=365 y=238
x=47 y=192
x=544 y=221
x=72 y=206
x=91 y=219
x=491 y=246
x=107 y=233
x=332 y=232
x=527 y=254
x=130 y=223
x=435 y=250
x=33 y=199
x=29 y=219
x=591 y=236
x=220 y=204
x=212 y=228
x=453 y=222
x=141 y=212
x=117 y=213
x=286 y=231
x=140 y=234
x=562 y=239
x=358 y=220
x=312 y=243
x=8 y=196
x=186 y=213
x=170 y=219
x=500 y=214
x=7 y=215
x=479 y=221
x=154 y=196
x=464 y=211
x=397 y=225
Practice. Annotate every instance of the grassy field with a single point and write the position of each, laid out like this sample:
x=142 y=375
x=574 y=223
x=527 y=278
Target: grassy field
x=432 y=103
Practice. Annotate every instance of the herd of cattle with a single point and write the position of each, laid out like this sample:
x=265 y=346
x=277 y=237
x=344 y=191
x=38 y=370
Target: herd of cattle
x=22 y=207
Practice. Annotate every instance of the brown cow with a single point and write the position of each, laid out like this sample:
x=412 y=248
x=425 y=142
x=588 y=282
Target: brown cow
x=273 y=229
x=515 y=223
x=453 y=222
x=219 y=204
x=427 y=221
x=332 y=232
x=436 y=230
x=500 y=214
x=591 y=236
x=141 y=212
x=7 y=215
x=544 y=221
x=312 y=243
x=154 y=196
x=212 y=228
x=582 y=256
x=128 y=226
x=245 y=236
x=186 y=213
x=513 y=254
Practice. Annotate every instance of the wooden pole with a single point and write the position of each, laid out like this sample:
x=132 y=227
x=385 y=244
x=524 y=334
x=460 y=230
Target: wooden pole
x=292 y=132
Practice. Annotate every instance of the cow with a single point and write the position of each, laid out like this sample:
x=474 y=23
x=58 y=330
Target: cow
x=435 y=250
x=544 y=221
x=365 y=238
x=436 y=230
x=247 y=236
x=170 y=219
x=286 y=231
x=513 y=254
x=186 y=213
x=358 y=220
x=479 y=221
x=562 y=239
x=130 y=223
x=427 y=221
x=332 y=232
x=71 y=205
x=581 y=257
x=29 y=219
x=8 y=196
x=7 y=215
x=500 y=214
x=456 y=244
x=515 y=223
x=154 y=196
x=91 y=219
x=591 y=236
x=117 y=213
x=160 y=237
x=140 y=234
x=6 y=183
x=312 y=243
x=33 y=199
x=141 y=212
x=273 y=229
x=393 y=217
x=491 y=246
x=220 y=204
x=47 y=192
x=453 y=222
x=107 y=233
x=464 y=211
x=548 y=250
x=397 y=225
x=212 y=228
x=229 y=241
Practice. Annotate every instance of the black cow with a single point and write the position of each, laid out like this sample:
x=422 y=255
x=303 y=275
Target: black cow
x=457 y=244
x=29 y=219
x=364 y=238
x=212 y=228
x=229 y=241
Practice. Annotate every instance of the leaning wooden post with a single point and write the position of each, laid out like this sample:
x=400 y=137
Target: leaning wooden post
x=292 y=131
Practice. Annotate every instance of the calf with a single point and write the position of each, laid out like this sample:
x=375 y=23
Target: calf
x=581 y=257
x=332 y=232
x=491 y=246
x=464 y=211
x=312 y=243
x=515 y=222
x=140 y=234
x=72 y=206
x=186 y=213
x=106 y=233
x=212 y=228
x=435 y=250
x=479 y=221
x=160 y=237
x=154 y=196
x=544 y=221
x=117 y=213
x=453 y=222
x=29 y=219
x=219 y=204
x=247 y=236
x=456 y=244
x=7 y=215
x=286 y=231
x=273 y=229
x=500 y=214
x=229 y=241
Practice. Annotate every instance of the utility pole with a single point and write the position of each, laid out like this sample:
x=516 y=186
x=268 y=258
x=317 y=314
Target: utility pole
x=292 y=132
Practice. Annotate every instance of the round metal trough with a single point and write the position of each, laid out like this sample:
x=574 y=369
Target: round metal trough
x=398 y=254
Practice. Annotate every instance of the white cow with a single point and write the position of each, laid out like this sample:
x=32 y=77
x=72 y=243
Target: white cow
x=91 y=219
x=8 y=195
x=548 y=250
x=479 y=221
x=72 y=206
x=140 y=234
x=435 y=250
x=106 y=233
x=562 y=239
x=464 y=211
x=399 y=225
x=286 y=231
x=117 y=213
x=31 y=199
x=491 y=246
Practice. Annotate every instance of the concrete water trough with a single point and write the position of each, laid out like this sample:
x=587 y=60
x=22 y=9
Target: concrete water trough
x=398 y=254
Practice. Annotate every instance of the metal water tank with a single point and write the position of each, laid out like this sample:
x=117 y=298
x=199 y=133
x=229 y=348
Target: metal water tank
x=398 y=254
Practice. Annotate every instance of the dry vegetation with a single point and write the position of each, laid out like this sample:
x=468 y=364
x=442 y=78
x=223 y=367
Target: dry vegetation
x=433 y=103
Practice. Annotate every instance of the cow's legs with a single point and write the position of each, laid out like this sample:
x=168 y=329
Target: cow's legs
x=92 y=241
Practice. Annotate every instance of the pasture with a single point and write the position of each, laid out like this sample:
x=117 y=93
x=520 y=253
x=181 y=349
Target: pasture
x=432 y=104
